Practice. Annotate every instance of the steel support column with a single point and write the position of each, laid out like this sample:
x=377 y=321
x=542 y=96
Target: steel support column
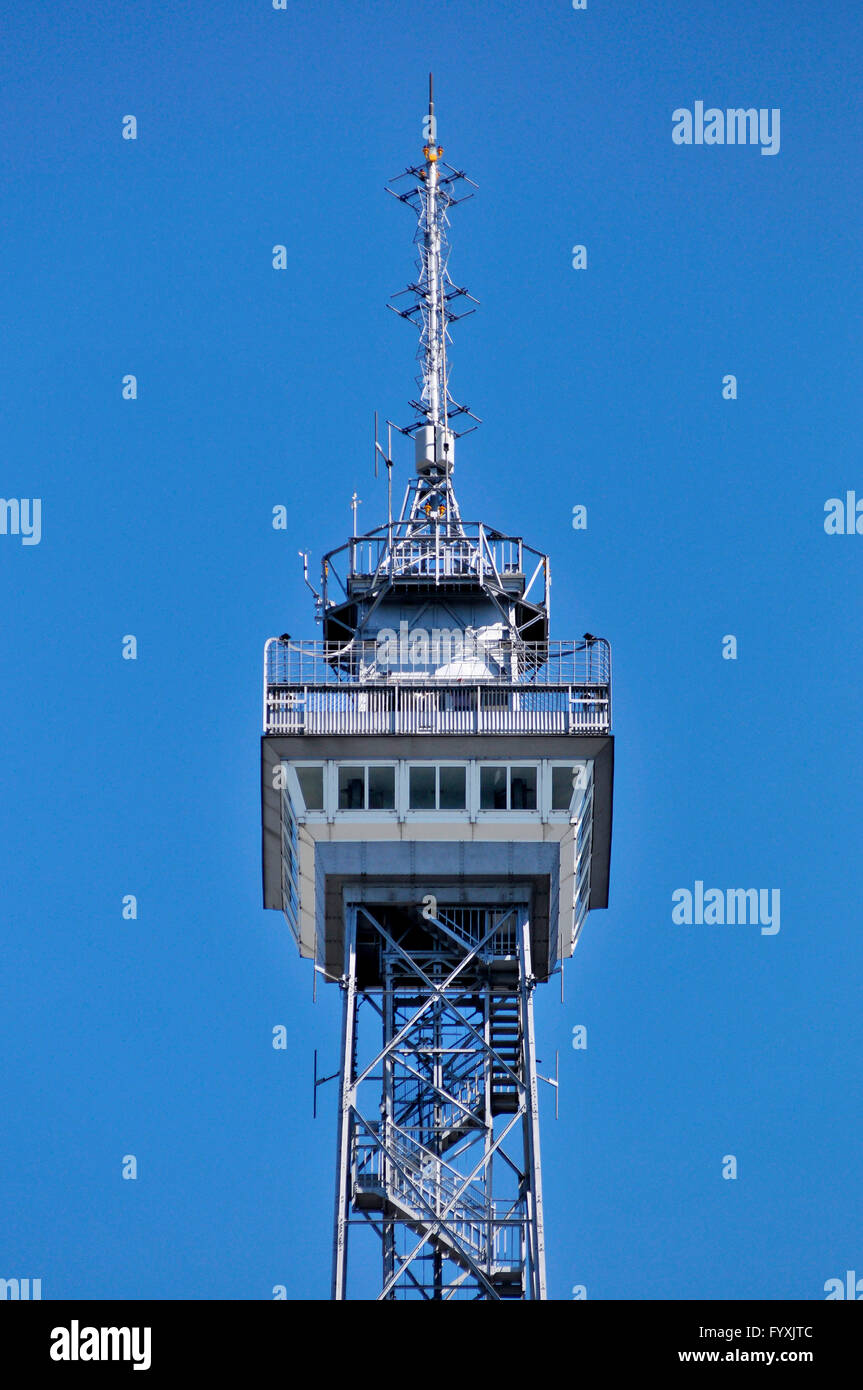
x=346 y=1097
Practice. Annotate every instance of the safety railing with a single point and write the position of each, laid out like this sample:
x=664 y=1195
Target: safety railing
x=497 y=688
x=440 y=553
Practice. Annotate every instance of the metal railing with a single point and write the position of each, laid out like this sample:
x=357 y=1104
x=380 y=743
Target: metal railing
x=472 y=924
x=498 y=688
x=441 y=655
x=468 y=551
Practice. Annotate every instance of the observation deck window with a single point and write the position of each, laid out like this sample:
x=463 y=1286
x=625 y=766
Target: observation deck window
x=311 y=780
x=552 y=789
x=367 y=788
x=437 y=788
x=506 y=788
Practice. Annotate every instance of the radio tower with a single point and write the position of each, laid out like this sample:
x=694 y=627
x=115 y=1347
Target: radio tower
x=436 y=786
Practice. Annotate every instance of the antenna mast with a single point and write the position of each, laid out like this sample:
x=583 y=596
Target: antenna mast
x=434 y=391
x=434 y=292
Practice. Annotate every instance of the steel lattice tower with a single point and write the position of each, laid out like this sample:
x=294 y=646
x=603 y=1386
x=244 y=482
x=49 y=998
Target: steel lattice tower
x=436 y=785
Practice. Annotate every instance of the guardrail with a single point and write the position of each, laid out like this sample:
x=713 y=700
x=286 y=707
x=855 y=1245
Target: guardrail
x=439 y=655
x=445 y=553
x=500 y=688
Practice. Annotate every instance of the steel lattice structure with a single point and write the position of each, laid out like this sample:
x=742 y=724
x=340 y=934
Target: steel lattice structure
x=443 y=1159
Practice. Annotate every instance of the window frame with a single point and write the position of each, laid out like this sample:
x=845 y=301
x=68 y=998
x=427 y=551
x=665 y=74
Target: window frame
x=384 y=812
x=316 y=812
x=452 y=813
x=534 y=813
x=579 y=794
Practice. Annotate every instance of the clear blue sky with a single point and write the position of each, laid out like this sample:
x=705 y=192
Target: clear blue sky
x=256 y=387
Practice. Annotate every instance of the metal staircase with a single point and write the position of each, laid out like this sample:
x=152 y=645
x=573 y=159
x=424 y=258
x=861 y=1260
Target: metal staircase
x=407 y=1182
x=506 y=1045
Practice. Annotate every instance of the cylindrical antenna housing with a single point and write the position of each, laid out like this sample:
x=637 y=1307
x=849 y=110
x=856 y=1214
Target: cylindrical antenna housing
x=435 y=449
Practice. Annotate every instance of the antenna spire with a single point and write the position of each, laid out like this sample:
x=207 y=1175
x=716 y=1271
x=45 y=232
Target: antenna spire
x=434 y=292
x=432 y=226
